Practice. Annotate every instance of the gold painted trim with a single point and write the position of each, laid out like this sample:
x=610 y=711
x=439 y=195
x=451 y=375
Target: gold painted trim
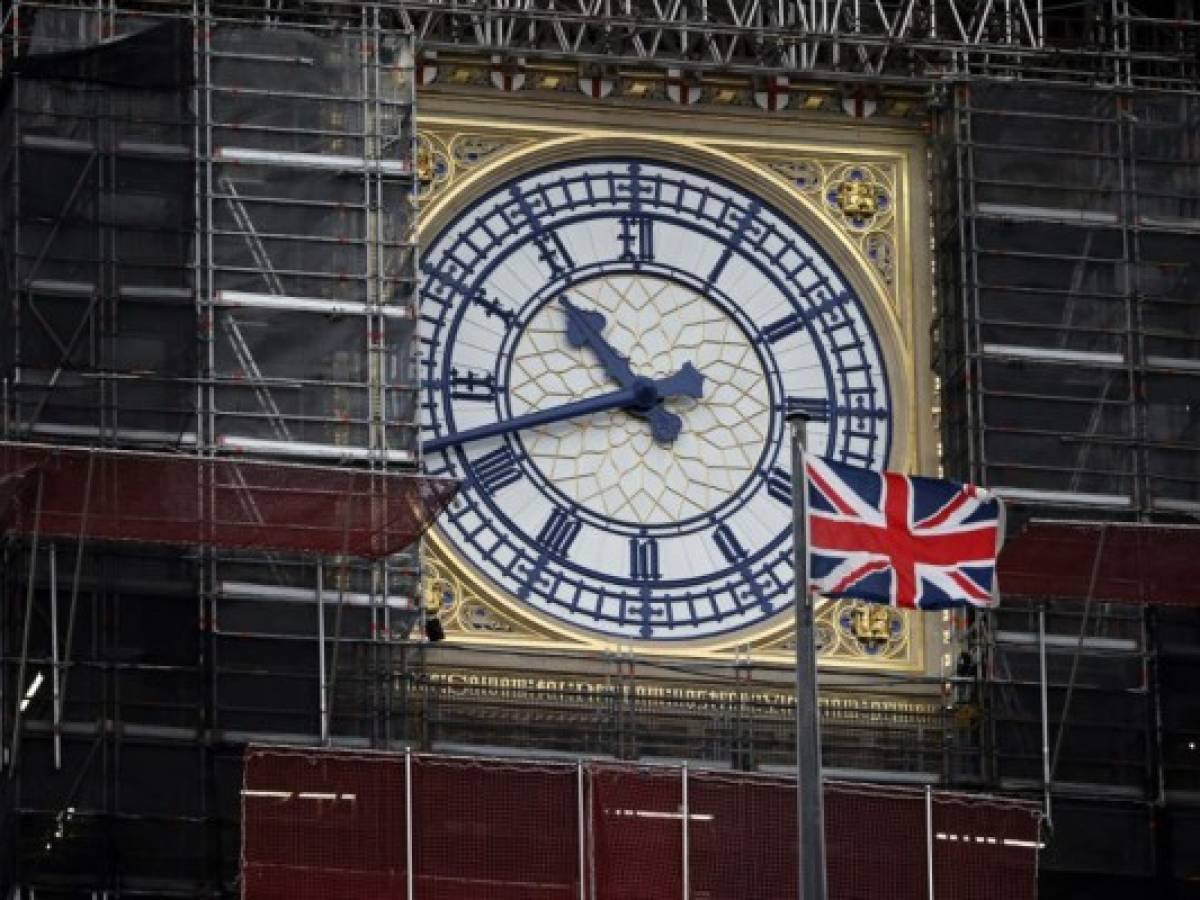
x=481 y=615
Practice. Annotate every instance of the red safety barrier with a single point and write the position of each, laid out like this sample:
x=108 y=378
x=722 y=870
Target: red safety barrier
x=496 y=830
x=760 y=813
x=330 y=824
x=637 y=832
x=1110 y=562
x=982 y=848
x=875 y=843
x=323 y=826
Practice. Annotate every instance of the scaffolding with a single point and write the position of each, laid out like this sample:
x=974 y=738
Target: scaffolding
x=900 y=42
x=1070 y=339
x=1067 y=223
x=207 y=474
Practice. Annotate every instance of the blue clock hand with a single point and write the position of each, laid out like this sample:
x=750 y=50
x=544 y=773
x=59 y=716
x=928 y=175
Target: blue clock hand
x=687 y=382
x=585 y=327
x=643 y=394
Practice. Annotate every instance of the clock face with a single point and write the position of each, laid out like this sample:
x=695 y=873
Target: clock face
x=610 y=349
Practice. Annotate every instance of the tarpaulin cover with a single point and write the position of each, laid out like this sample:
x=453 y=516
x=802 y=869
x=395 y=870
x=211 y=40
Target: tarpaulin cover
x=69 y=493
x=156 y=57
x=1056 y=560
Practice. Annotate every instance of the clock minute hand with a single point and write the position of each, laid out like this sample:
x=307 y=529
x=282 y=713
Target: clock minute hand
x=642 y=393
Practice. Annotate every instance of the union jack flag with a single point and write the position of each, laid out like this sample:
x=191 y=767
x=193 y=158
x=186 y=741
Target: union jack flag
x=912 y=542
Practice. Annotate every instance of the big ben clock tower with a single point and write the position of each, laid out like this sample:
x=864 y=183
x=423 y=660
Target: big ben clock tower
x=614 y=325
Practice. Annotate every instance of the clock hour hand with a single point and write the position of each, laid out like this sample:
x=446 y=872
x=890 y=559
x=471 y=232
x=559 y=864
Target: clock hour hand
x=585 y=328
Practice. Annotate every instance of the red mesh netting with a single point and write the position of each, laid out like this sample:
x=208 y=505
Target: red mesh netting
x=984 y=850
x=742 y=836
x=1132 y=563
x=233 y=504
x=495 y=830
x=331 y=824
x=874 y=843
x=322 y=825
x=637 y=833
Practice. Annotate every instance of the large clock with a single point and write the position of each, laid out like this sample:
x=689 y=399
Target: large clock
x=610 y=349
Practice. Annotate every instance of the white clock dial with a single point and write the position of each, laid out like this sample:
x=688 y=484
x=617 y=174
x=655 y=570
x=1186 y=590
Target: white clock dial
x=611 y=347
x=609 y=462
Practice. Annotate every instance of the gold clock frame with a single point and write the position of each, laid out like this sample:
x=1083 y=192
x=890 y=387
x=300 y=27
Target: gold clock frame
x=860 y=191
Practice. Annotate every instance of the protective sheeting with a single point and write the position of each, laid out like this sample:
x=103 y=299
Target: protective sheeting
x=238 y=265
x=1103 y=561
x=65 y=493
x=99 y=224
x=1068 y=228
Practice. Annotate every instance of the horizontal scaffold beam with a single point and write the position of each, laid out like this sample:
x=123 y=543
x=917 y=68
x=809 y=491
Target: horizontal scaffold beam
x=910 y=41
x=913 y=42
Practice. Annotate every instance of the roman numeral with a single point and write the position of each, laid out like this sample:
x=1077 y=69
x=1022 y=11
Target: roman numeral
x=643 y=559
x=551 y=249
x=779 y=485
x=782 y=328
x=559 y=532
x=727 y=542
x=494 y=308
x=496 y=470
x=816 y=408
x=472 y=385
x=637 y=238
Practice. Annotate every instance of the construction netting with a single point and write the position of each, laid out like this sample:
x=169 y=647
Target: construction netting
x=468 y=818
x=73 y=494
x=1067 y=228
x=326 y=825
x=1104 y=561
x=636 y=844
x=322 y=824
x=217 y=248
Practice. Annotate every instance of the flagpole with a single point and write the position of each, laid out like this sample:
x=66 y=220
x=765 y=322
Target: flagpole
x=810 y=834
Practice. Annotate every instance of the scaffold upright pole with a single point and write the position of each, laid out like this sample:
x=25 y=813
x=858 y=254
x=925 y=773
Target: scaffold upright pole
x=929 y=842
x=581 y=826
x=55 y=668
x=1045 y=711
x=685 y=809
x=410 y=880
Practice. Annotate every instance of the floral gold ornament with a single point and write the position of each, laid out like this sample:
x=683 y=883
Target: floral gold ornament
x=872 y=624
x=857 y=200
x=859 y=197
x=432 y=165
